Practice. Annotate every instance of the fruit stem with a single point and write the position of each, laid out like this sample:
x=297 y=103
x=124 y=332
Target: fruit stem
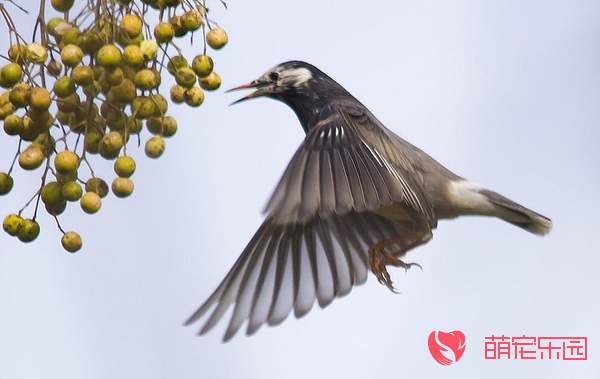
x=39 y=194
x=18 y=6
x=12 y=165
x=58 y=224
x=84 y=158
x=41 y=22
x=29 y=201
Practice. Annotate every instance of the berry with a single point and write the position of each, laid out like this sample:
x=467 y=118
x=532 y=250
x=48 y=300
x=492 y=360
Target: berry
x=177 y=93
x=71 y=55
x=124 y=166
x=10 y=75
x=191 y=20
x=52 y=193
x=71 y=242
x=146 y=79
x=90 y=202
x=62 y=5
x=72 y=191
x=56 y=209
x=185 y=77
x=83 y=75
x=13 y=125
x=12 y=224
x=154 y=147
x=175 y=63
x=149 y=49
x=202 y=65
x=64 y=86
x=122 y=187
x=109 y=56
x=164 y=32
x=36 y=53
x=31 y=158
x=6 y=183
x=66 y=162
x=30 y=230
x=110 y=145
x=97 y=185
x=194 y=96
x=40 y=98
x=211 y=82
x=216 y=38
x=133 y=56
x=131 y=25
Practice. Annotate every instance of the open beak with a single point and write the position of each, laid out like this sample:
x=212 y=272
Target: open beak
x=260 y=90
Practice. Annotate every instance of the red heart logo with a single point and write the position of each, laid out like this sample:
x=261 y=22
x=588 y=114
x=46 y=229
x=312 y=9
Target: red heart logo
x=446 y=348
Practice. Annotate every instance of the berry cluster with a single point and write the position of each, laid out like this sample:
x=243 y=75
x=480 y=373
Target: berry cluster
x=87 y=87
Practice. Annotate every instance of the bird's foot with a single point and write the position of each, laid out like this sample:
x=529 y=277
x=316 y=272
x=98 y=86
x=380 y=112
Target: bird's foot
x=397 y=262
x=377 y=262
x=380 y=257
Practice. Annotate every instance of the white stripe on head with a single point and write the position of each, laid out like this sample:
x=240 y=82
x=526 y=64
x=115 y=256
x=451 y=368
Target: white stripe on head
x=294 y=76
x=289 y=76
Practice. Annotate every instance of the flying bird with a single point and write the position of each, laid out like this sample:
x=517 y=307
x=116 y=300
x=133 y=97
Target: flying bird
x=355 y=197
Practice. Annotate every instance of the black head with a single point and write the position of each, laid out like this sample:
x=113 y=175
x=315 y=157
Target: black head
x=300 y=85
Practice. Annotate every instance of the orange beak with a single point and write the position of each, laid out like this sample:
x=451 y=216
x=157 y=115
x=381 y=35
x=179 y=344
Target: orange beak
x=253 y=84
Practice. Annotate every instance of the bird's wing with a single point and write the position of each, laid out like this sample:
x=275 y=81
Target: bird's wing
x=347 y=162
x=288 y=266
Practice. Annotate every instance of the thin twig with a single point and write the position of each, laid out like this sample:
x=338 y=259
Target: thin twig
x=58 y=224
x=17 y=5
x=37 y=203
x=12 y=165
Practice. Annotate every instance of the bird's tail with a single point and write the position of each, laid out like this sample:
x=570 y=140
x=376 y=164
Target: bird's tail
x=517 y=214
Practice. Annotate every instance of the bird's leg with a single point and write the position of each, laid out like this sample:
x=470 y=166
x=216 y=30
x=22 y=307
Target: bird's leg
x=377 y=262
x=381 y=255
x=418 y=241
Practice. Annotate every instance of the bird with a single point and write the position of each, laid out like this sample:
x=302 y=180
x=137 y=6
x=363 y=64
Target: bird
x=354 y=198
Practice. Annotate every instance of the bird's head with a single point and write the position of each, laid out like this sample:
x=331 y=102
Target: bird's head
x=300 y=85
x=288 y=81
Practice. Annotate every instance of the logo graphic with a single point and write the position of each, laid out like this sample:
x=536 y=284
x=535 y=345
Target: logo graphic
x=446 y=348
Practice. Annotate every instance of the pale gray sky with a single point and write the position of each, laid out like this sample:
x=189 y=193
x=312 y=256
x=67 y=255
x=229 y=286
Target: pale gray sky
x=505 y=93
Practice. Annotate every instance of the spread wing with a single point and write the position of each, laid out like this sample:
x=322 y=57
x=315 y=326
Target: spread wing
x=315 y=240
x=289 y=266
x=347 y=162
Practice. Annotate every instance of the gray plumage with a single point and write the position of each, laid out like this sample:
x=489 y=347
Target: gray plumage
x=348 y=161
x=351 y=185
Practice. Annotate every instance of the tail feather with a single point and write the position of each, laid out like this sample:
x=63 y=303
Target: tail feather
x=518 y=215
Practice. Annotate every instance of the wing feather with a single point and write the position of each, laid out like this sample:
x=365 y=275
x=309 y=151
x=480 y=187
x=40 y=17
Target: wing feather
x=289 y=267
x=355 y=183
x=344 y=200
x=261 y=301
x=348 y=162
x=321 y=220
x=282 y=298
x=368 y=186
x=328 y=201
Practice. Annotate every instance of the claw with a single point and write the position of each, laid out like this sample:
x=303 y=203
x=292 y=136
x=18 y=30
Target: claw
x=416 y=265
x=380 y=257
x=397 y=262
x=377 y=263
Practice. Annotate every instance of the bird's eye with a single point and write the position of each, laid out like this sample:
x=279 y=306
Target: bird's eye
x=274 y=76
